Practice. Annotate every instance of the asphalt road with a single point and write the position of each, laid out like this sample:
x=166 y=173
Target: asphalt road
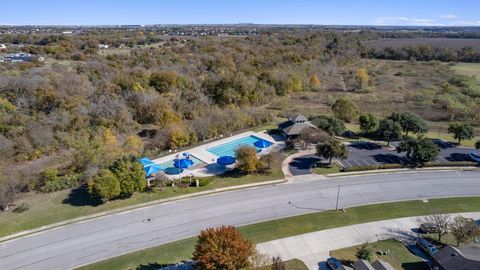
x=96 y=239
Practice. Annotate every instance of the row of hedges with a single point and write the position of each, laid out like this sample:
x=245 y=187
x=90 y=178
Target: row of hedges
x=399 y=166
x=452 y=164
x=373 y=167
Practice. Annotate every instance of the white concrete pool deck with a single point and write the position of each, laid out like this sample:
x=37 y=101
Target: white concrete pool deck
x=200 y=152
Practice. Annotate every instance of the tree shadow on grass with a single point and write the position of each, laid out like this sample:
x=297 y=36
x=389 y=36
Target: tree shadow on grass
x=80 y=197
x=234 y=173
x=151 y=266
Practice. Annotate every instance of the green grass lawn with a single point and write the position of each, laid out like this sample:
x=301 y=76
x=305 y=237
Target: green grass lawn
x=295 y=265
x=468 y=69
x=399 y=256
x=63 y=205
x=276 y=229
x=325 y=169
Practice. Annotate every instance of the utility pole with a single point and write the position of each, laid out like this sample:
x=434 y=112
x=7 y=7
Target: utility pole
x=338 y=197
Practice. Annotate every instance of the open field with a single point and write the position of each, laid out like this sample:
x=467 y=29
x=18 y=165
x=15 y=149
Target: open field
x=48 y=208
x=456 y=43
x=399 y=256
x=276 y=229
x=468 y=69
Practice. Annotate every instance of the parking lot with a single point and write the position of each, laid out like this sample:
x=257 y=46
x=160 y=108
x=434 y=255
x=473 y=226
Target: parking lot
x=301 y=165
x=368 y=153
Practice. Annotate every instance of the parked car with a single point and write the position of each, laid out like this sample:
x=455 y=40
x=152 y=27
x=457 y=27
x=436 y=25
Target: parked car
x=335 y=264
x=426 y=246
x=475 y=157
x=427 y=228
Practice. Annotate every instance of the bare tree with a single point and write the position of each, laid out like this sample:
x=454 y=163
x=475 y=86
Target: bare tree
x=441 y=222
x=277 y=263
x=465 y=229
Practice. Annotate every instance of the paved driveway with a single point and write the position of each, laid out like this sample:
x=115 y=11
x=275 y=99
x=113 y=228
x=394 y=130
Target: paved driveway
x=301 y=165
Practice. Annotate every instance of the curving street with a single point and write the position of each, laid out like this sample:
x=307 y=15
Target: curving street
x=100 y=238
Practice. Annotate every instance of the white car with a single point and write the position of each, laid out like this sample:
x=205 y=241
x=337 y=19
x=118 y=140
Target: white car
x=475 y=157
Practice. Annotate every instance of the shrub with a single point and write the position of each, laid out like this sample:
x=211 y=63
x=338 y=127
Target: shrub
x=104 y=186
x=203 y=182
x=53 y=182
x=364 y=252
x=21 y=208
x=451 y=164
x=345 y=109
x=373 y=167
x=130 y=174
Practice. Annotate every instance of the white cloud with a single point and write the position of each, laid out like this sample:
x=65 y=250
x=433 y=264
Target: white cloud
x=406 y=21
x=448 y=16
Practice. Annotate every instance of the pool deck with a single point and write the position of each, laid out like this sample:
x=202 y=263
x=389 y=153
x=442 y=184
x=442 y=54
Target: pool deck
x=201 y=153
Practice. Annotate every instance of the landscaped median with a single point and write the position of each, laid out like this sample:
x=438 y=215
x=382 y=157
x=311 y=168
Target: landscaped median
x=286 y=227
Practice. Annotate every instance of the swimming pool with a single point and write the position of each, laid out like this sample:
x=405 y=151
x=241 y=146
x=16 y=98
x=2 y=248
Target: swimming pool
x=169 y=164
x=228 y=148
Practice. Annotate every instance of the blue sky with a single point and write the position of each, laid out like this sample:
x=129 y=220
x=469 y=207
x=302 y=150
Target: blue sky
x=340 y=12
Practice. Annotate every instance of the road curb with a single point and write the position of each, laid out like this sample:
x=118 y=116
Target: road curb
x=135 y=207
x=380 y=171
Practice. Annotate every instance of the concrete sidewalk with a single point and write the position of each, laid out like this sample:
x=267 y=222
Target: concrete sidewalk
x=313 y=248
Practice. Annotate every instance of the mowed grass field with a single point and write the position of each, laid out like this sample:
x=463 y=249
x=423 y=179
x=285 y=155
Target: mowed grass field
x=291 y=226
x=468 y=69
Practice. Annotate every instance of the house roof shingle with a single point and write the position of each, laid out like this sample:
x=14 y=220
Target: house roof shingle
x=451 y=258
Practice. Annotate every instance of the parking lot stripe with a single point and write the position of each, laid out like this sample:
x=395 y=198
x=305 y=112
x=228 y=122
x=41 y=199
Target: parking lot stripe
x=442 y=159
x=357 y=162
x=349 y=165
x=365 y=162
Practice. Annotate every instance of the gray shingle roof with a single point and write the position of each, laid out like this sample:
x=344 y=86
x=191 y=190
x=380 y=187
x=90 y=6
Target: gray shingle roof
x=451 y=258
x=381 y=265
x=291 y=128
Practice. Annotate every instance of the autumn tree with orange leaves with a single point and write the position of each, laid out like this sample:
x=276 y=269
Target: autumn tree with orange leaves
x=222 y=248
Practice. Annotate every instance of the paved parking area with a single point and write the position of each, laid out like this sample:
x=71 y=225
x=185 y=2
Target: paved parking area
x=368 y=153
x=301 y=165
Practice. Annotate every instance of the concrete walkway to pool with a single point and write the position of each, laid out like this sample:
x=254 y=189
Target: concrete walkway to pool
x=314 y=248
x=200 y=152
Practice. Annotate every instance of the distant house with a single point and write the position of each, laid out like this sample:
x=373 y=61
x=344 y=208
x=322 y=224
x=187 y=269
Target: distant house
x=3 y=47
x=450 y=258
x=294 y=126
x=377 y=265
x=20 y=57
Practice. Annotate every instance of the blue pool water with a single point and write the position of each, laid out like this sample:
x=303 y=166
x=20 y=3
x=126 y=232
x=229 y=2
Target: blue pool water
x=228 y=148
x=169 y=164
